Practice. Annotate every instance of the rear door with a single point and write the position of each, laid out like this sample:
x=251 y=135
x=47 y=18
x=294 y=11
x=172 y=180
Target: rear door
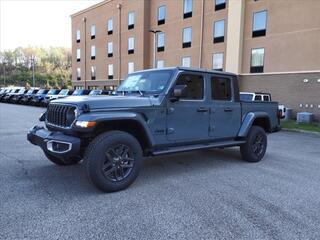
x=225 y=117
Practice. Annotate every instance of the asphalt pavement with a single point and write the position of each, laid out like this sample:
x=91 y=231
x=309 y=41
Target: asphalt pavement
x=210 y=194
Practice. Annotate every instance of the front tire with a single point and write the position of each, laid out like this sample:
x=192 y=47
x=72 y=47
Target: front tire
x=113 y=160
x=58 y=161
x=256 y=145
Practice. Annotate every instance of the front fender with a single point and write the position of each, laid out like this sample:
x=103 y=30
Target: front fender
x=114 y=116
x=248 y=120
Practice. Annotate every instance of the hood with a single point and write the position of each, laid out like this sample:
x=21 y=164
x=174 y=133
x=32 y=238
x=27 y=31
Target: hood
x=96 y=102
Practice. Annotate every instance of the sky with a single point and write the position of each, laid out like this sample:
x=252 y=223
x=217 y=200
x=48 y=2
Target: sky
x=41 y=23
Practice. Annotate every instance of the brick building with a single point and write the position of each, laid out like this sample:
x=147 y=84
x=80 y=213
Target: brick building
x=273 y=45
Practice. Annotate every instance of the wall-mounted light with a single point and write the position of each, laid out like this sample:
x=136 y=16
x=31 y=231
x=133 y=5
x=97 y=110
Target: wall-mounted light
x=301 y=105
x=305 y=80
x=307 y=105
x=318 y=80
x=319 y=106
x=311 y=105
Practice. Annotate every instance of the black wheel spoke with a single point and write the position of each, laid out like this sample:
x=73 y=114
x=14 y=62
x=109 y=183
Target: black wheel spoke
x=119 y=162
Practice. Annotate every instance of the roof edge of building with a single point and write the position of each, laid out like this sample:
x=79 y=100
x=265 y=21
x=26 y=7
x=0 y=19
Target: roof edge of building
x=90 y=8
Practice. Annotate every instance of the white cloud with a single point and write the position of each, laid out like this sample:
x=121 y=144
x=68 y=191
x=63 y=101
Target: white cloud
x=38 y=23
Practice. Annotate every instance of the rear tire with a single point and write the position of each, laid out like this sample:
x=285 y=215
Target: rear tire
x=58 y=161
x=113 y=160
x=256 y=145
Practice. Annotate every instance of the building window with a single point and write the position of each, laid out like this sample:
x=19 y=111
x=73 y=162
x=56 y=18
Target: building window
x=110 y=71
x=78 y=54
x=257 y=60
x=187 y=8
x=221 y=89
x=160 y=42
x=130 y=20
x=219 y=4
x=130 y=45
x=187 y=37
x=93 y=31
x=110 y=49
x=130 y=67
x=78 y=73
x=217 y=61
x=93 y=72
x=259 y=24
x=161 y=15
x=93 y=52
x=110 y=26
x=160 y=64
x=186 y=61
x=218 y=35
x=78 y=36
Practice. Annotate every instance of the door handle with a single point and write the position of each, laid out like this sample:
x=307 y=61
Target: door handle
x=228 y=109
x=202 y=109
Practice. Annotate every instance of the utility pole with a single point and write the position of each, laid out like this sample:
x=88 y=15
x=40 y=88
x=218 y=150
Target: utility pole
x=155 y=32
x=33 y=79
x=85 y=52
x=4 y=73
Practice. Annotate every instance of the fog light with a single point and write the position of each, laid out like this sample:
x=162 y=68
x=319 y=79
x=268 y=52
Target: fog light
x=85 y=124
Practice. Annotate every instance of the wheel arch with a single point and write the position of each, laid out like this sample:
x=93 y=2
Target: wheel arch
x=260 y=119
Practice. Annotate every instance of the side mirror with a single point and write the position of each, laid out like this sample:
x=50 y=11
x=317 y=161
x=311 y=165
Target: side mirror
x=179 y=91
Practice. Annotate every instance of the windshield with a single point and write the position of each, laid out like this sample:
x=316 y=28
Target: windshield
x=42 y=91
x=95 y=92
x=77 y=92
x=30 y=91
x=64 y=92
x=146 y=82
x=52 y=92
x=21 y=91
x=3 y=90
x=246 y=97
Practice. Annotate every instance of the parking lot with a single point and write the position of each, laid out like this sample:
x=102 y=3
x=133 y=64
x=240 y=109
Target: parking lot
x=209 y=194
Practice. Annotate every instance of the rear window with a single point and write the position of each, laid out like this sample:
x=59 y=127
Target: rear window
x=266 y=98
x=246 y=97
x=258 y=98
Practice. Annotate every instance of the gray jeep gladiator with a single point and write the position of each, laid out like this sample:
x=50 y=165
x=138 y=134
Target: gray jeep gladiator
x=153 y=112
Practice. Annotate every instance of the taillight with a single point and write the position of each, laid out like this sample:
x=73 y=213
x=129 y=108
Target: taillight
x=279 y=113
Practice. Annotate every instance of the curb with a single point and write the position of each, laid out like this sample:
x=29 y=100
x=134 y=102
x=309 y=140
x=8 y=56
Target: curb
x=300 y=131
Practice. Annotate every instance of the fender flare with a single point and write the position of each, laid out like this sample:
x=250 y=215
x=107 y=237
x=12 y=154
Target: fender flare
x=248 y=120
x=103 y=117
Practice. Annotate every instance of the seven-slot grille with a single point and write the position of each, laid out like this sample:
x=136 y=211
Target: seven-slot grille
x=60 y=115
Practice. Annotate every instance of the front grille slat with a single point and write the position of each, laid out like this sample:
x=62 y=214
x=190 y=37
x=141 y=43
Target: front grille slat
x=60 y=115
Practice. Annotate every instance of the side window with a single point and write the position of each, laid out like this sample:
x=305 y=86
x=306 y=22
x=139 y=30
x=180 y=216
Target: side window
x=221 y=88
x=258 y=98
x=195 y=86
x=266 y=98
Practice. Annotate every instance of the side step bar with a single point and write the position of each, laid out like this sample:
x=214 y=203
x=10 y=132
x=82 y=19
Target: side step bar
x=197 y=147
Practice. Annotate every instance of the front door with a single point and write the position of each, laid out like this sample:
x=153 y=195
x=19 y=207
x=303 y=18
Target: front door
x=188 y=118
x=225 y=118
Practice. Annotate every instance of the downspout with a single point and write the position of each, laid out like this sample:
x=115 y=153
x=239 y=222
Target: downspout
x=201 y=33
x=119 y=43
x=85 y=52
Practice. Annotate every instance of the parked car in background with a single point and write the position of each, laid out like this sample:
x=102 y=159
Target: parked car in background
x=4 y=91
x=261 y=97
x=39 y=97
x=28 y=96
x=51 y=95
x=18 y=97
x=99 y=92
x=80 y=92
x=61 y=94
x=17 y=91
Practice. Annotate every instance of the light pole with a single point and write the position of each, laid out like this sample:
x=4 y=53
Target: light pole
x=4 y=73
x=85 y=50
x=155 y=32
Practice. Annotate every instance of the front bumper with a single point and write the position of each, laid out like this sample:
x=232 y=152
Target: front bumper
x=55 y=143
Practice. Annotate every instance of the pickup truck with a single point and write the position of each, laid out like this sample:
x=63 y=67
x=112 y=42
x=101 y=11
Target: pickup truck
x=153 y=112
x=261 y=97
